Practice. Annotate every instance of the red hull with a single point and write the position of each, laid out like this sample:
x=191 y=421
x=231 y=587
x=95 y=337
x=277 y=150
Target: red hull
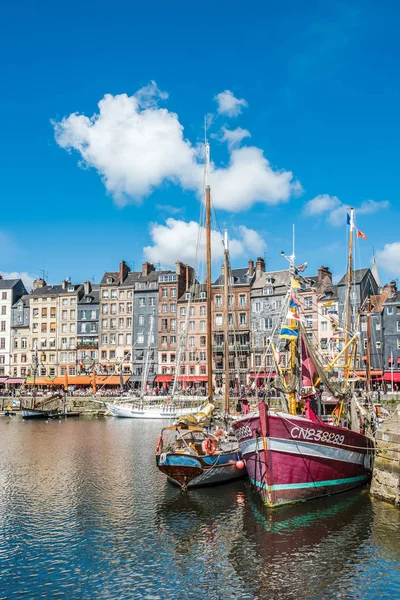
x=291 y=459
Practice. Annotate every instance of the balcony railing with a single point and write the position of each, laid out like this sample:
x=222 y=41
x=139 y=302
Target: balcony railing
x=82 y=344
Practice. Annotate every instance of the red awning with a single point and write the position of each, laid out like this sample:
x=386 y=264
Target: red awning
x=3 y=379
x=388 y=377
x=164 y=378
x=261 y=375
x=194 y=378
x=15 y=380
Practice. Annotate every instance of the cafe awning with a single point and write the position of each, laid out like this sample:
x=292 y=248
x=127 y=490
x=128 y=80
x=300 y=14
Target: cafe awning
x=15 y=380
x=79 y=380
x=164 y=378
x=193 y=378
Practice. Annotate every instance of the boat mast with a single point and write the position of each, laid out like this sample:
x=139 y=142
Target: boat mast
x=368 y=364
x=292 y=343
x=348 y=296
x=208 y=277
x=35 y=367
x=226 y=321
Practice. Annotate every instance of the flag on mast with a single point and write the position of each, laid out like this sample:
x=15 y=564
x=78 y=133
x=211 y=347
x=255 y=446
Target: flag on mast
x=360 y=234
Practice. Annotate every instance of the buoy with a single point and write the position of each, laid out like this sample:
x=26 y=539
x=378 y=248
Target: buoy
x=209 y=446
x=240 y=464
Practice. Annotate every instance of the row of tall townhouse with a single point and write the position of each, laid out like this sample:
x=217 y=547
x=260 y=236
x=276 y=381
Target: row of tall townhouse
x=134 y=320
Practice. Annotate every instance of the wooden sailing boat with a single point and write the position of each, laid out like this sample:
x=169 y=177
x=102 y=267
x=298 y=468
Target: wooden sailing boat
x=47 y=408
x=189 y=453
x=292 y=458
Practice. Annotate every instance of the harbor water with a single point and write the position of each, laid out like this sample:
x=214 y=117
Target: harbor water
x=85 y=514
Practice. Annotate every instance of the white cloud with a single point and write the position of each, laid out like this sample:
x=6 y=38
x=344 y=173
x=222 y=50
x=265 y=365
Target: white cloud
x=389 y=258
x=252 y=240
x=233 y=137
x=335 y=210
x=180 y=240
x=229 y=105
x=173 y=210
x=136 y=147
x=26 y=278
x=249 y=178
x=320 y=204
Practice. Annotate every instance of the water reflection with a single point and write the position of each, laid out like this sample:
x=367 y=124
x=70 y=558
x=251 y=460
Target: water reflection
x=85 y=513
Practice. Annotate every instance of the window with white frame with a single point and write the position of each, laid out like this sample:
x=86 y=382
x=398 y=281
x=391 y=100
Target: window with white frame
x=268 y=323
x=218 y=301
x=308 y=320
x=389 y=310
x=218 y=320
x=308 y=302
x=324 y=325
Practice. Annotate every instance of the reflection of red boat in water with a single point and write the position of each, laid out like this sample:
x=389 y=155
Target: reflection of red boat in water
x=302 y=551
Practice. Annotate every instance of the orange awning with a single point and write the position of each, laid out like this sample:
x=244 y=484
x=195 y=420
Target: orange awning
x=80 y=380
x=373 y=373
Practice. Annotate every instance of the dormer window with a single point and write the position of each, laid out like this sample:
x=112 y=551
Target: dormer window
x=71 y=288
x=269 y=280
x=267 y=291
x=110 y=279
x=203 y=295
x=20 y=306
x=88 y=299
x=187 y=295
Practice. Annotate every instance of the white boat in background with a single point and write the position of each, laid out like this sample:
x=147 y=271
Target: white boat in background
x=158 y=411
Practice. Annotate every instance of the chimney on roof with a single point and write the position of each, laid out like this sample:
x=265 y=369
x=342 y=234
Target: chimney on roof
x=147 y=268
x=38 y=283
x=251 y=268
x=179 y=267
x=64 y=284
x=123 y=271
x=87 y=287
x=324 y=275
x=260 y=267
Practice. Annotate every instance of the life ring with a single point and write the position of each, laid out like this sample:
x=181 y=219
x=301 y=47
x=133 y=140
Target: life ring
x=209 y=446
x=159 y=443
x=219 y=432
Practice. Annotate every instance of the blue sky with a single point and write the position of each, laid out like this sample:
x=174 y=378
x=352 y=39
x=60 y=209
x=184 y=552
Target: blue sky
x=320 y=89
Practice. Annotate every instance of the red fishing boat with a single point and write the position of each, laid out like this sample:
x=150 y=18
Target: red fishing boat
x=301 y=453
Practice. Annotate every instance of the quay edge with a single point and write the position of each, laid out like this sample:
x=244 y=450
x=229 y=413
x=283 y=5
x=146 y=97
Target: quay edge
x=385 y=483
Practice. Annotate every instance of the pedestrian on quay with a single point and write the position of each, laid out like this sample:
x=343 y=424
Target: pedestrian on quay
x=245 y=405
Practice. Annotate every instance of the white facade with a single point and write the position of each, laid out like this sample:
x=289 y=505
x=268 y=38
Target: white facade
x=10 y=291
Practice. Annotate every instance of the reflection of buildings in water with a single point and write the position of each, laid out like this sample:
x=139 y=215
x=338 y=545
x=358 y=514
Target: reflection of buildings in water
x=298 y=551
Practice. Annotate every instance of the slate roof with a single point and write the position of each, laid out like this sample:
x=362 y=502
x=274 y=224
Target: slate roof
x=281 y=279
x=195 y=290
x=239 y=276
x=331 y=293
x=8 y=283
x=55 y=290
x=358 y=276
x=25 y=300
x=94 y=295
x=129 y=279
x=153 y=276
